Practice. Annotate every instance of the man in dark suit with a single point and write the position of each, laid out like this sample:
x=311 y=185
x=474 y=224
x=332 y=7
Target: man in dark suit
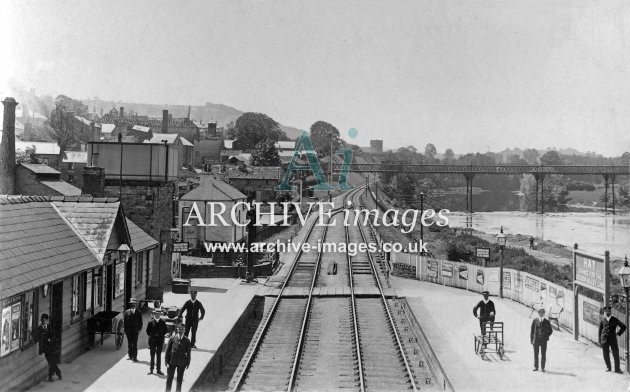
x=486 y=311
x=539 y=335
x=177 y=358
x=609 y=328
x=192 y=307
x=156 y=329
x=48 y=346
x=133 y=326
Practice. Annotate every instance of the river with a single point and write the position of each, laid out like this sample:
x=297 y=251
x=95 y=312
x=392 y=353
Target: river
x=593 y=232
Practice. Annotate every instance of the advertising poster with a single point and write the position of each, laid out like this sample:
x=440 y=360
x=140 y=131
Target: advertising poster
x=507 y=280
x=432 y=269
x=590 y=313
x=5 y=344
x=519 y=283
x=447 y=270
x=119 y=281
x=463 y=272
x=532 y=284
x=480 y=277
x=15 y=326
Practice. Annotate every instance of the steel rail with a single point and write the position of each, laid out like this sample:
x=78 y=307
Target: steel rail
x=272 y=311
x=389 y=315
x=300 y=345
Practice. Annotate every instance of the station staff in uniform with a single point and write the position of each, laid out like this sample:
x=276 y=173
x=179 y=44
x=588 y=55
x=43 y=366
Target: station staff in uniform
x=156 y=329
x=609 y=328
x=177 y=358
x=48 y=346
x=486 y=311
x=192 y=307
x=133 y=326
x=539 y=335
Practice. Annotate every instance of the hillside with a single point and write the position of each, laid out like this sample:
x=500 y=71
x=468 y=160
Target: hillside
x=221 y=114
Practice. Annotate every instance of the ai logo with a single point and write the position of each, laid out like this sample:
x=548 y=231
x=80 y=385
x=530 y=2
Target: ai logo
x=304 y=143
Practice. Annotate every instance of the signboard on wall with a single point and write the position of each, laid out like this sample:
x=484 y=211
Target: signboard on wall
x=507 y=280
x=519 y=283
x=180 y=247
x=532 y=284
x=10 y=328
x=432 y=269
x=590 y=313
x=119 y=279
x=479 y=278
x=447 y=270
x=483 y=253
x=463 y=272
x=589 y=270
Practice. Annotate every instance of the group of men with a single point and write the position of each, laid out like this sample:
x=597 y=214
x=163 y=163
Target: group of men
x=609 y=328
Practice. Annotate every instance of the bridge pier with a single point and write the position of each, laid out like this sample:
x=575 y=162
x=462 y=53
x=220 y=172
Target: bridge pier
x=469 y=180
x=540 y=184
x=611 y=178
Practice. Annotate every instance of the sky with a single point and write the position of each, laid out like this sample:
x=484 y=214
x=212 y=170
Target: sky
x=471 y=75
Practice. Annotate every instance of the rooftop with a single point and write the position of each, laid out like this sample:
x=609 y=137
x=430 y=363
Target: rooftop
x=39 y=168
x=158 y=138
x=211 y=189
x=63 y=187
x=255 y=172
x=138 y=238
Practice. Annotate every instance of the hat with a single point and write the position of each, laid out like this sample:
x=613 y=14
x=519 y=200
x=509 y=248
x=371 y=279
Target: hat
x=193 y=291
x=607 y=307
x=485 y=292
x=44 y=316
x=133 y=301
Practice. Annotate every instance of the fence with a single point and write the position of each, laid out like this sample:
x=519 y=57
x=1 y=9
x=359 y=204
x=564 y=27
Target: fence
x=519 y=286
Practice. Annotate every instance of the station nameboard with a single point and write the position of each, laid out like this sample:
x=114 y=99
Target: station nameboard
x=589 y=270
x=483 y=253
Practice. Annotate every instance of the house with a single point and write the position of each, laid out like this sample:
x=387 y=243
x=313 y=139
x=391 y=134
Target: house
x=45 y=152
x=211 y=189
x=70 y=258
x=242 y=143
x=183 y=127
x=42 y=180
x=208 y=151
x=184 y=147
x=71 y=167
x=256 y=182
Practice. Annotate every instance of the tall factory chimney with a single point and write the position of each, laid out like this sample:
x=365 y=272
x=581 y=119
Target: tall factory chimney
x=165 y=119
x=7 y=149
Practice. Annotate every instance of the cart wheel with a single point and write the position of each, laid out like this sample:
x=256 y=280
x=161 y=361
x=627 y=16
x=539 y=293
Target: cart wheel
x=120 y=336
x=501 y=352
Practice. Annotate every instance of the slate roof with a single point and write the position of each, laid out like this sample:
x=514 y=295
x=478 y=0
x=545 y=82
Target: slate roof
x=158 y=137
x=92 y=221
x=40 y=168
x=139 y=239
x=211 y=189
x=256 y=172
x=37 y=246
x=140 y=128
x=62 y=187
x=107 y=128
x=146 y=121
x=185 y=142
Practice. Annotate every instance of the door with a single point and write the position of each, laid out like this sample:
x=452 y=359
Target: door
x=56 y=315
x=128 y=285
x=109 y=288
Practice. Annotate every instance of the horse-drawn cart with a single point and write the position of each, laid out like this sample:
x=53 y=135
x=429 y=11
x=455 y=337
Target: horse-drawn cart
x=106 y=323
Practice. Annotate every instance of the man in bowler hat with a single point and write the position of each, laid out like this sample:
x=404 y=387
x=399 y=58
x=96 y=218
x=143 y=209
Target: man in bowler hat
x=192 y=307
x=133 y=325
x=48 y=346
x=486 y=311
x=609 y=328
x=177 y=358
x=539 y=335
x=156 y=329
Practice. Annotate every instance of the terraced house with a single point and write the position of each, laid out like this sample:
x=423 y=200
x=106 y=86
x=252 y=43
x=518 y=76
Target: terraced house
x=69 y=257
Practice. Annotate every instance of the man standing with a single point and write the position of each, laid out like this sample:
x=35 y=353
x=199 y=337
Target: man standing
x=48 y=347
x=539 y=335
x=192 y=307
x=608 y=337
x=177 y=358
x=156 y=329
x=133 y=326
x=486 y=311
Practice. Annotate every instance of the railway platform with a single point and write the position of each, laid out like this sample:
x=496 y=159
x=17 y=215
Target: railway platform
x=106 y=369
x=445 y=314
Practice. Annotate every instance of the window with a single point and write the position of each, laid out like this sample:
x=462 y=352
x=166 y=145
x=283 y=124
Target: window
x=71 y=179
x=70 y=165
x=29 y=318
x=98 y=287
x=88 y=291
x=79 y=296
x=75 y=296
x=139 y=268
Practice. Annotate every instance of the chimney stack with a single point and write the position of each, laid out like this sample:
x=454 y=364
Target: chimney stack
x=7 y=150
x=165 y=120
x=93 y=181
x=122 y=111
x=28 y=127
x=93 y=135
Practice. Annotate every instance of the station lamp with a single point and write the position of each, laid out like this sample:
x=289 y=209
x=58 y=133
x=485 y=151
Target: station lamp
x=501 y=240
x=624 y=277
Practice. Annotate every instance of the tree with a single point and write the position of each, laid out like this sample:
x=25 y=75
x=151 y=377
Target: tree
x=430 y=151
x=551 y=157
x=265 y=154
x=449 y=155
x=555 y=192
x=26 y=156
x=322 y=135
x=623 y=195
x=283 y=197
x=64 y=133
x=71 y=105
x=257 y=127
x=531 y=156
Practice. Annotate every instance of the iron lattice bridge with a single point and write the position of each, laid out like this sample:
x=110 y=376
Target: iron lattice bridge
x=486 y=169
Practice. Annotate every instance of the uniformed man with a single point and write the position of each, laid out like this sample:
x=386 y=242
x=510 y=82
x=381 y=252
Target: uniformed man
x=48 y=346
x=539 y=335
x=486 y=311
x=133 y=326
x=609 y=328
x=156 y=329
x=177 y=358
x=192 y=307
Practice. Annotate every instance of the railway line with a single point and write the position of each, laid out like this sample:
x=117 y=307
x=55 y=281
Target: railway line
x=341 y=334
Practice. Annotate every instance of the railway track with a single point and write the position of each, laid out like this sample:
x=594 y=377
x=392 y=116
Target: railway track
x=330 y=342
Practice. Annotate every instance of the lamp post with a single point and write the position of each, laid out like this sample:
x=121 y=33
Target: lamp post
x=421 y=225
x=501 y=239
x=624 y=276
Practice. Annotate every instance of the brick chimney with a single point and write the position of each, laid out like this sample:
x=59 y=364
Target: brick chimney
x=28 y=128
x=7 y=149
x=165 y=120
x=93 y=134
x=122 y=112
x=93 y=181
